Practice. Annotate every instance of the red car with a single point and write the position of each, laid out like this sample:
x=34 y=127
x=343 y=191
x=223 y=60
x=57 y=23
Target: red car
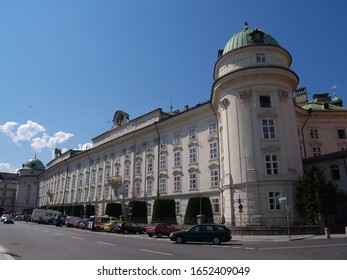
x=160 y=229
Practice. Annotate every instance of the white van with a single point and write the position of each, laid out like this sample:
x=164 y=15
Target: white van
x=42 y=216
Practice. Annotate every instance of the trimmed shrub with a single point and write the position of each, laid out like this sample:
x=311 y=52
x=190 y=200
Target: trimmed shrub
x=139 y=211
x=90 y=210
x=77 y=210
x=164 y=211
x=195 y=205
x=113 y=209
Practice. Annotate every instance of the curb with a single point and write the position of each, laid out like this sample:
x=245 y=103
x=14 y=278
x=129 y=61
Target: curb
x=4 y=255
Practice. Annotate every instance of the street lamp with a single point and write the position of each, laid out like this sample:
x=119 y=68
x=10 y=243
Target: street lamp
x=284 y=198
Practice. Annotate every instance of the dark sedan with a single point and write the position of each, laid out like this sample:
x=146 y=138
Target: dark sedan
x=124 y=227
x=202 y=233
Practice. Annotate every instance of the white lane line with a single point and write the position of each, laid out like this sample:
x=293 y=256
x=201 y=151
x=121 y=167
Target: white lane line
x=155 y=252
x=59 y=234
x=46 y=231
x=105 y=243
x=249 y=248
x=79 y=238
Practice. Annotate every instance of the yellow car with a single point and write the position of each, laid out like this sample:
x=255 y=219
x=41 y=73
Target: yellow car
x=110 y=226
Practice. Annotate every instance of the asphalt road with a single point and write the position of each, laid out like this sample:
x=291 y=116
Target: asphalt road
x=30 y=241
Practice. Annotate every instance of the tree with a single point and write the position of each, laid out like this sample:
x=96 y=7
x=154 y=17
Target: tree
x=315 y=196
x=113 y=209
x=138 y=211
x=164 y=211
x=197 y=206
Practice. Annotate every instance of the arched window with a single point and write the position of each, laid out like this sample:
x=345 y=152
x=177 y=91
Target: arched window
x=334 y=172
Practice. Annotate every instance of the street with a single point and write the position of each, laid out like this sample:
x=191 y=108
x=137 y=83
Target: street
x=31 y=241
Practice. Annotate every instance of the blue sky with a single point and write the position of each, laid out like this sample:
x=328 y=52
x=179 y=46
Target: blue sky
x=67 y=66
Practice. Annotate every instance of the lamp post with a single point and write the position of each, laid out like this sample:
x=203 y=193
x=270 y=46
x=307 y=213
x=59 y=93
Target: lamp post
x=284 y=198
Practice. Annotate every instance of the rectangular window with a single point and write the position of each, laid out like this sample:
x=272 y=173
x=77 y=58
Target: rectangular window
x=260 y=57
x=265 y=101
x=214 y=178
x=192 y=134
x=150 y=146
x=177 y=207
x=177 y=158
x=274 y=201
x=314 y=133
x=162 y=162
x=212 y=128
x=268 y=128
x=177 y=183
x=149 y=209
x=137 y=188
x=150 y=164
x=117 y=170
x=162 y=185
x=126 y=190
x=316 y=151
x=215 y=205
x=341 y=133
x=271 y=162
x=127 y=169
x=213 y=150
x=192 y=155
x=149 y=186
x=138 y=167
x=163 y=143
x=193 y=181
x=176 y=139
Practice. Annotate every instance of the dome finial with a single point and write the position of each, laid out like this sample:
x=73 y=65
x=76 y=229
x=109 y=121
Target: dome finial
x=246 y=25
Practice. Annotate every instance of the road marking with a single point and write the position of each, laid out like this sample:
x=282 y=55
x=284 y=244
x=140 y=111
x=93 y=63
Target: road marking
x=155 y=252
x=79 y=238
x=105 y=243
x=59 y=234
x=301 y=247
x=249 y=248
x=46 y=231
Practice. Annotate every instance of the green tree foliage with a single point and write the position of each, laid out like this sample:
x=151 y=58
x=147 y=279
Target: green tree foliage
x=139 y=211
x=113 y=209
x=197 y=206
x=315 y=195
x=164 y=211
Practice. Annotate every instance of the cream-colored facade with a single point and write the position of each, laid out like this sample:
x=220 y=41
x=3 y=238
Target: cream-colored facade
x=243 y=147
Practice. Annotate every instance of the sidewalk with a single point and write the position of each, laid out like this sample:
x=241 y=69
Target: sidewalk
x=4 y=255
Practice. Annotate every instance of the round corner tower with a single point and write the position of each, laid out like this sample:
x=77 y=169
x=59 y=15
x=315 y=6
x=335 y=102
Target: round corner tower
x=259 y=146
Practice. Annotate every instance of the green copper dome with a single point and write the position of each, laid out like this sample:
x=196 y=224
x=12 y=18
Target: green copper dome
x=34 y=164
x=249 y=37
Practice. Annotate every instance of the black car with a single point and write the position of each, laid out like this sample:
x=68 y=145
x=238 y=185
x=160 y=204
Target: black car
x=124 y=227
x=203 y=233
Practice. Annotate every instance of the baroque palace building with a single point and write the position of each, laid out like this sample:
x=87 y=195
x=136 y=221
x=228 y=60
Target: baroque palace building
x=245 y=145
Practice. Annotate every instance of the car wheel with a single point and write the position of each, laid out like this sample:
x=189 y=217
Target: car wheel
x=179 y=240
x=159 y=234
x=113 y=230
x=216 y=240
x=125 y=231
x=150 y=235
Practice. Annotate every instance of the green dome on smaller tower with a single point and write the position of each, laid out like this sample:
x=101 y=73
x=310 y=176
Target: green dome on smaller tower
x=249 y=37
x=34 y=164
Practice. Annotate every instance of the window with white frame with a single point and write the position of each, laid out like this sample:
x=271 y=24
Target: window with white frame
x=137 y=187
x=149 y=209
x=138 y=167
x=268 y=126
x=192 y=155
x=177 y=207
x=314 y=133
x=177 y=158
x=265 y=101
x=117 y=170
x=93 y=176
x=126 y=190
x=213 y=150
x=212 y=128
x=138 y=150
x=150 y=146
x=215 y=205
x=127 y=169
x=193 y=181
x=176 y=138
x=334 y=172
x=87 y=177
x=271 y=163
x=107 y=172
x=162 y=185
x=162 y=161
x=192 y=134
x=100 y=176
x=149 y=186
x=163 y=143
x=260 y=57
x=316 y=151
x=214 y=177
x=177 y=183
x=341 y=133
x=150 y=164
x=274 y=201
x=98 y=193
x=106 y=192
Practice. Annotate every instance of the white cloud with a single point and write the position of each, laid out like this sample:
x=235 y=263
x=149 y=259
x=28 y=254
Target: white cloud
x=85 y=146
x=50 y=142
x=6 y=167
x=24 y=132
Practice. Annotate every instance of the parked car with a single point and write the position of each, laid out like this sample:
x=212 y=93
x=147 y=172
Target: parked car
x=3 y=217
x=84 y=223
x=70 y=221
x=160 y=229
x=125 y=227
x=110 y=226
x=203 y=233
x=8 y=220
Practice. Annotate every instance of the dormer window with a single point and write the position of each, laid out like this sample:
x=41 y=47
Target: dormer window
x=260 y=57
